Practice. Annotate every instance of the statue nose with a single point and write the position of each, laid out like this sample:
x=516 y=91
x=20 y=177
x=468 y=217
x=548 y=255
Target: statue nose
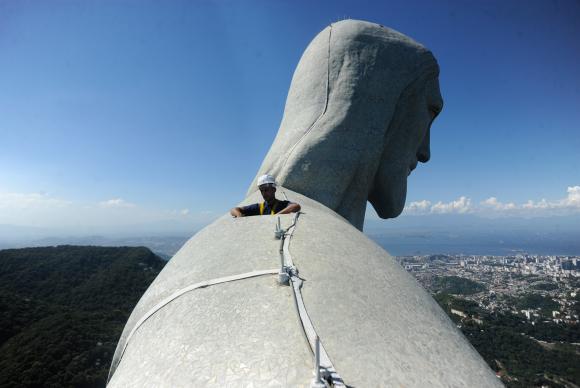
x=424 y=151
x=423 y=155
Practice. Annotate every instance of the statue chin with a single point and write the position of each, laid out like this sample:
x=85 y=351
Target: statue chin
x=388 y=197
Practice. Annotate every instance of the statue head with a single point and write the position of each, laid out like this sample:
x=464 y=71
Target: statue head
x=357 y=120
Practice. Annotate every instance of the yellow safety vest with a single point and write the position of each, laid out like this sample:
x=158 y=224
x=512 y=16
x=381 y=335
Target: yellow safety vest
x=263 y=204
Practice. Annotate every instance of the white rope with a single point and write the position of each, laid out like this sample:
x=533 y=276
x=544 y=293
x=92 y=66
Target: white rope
x=307 y=325
x=192 y=287
x=296 y=283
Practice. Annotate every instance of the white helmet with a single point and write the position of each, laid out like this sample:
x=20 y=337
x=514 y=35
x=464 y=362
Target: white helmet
x=266 y=179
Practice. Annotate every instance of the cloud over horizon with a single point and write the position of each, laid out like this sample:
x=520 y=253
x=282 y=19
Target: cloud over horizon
x=116 y=203
x=47 y=211
x=460 y=206
x=30 y=201
x=492 y=206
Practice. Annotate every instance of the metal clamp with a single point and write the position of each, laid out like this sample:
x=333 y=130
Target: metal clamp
x=279 y=232
x=317 y=382
x=283 y=275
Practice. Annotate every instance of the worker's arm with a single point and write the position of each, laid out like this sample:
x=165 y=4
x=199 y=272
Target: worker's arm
x=236 y=212
x=291 y=208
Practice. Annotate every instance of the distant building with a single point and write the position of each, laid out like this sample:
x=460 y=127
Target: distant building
x=459 y=313
x=527 y=313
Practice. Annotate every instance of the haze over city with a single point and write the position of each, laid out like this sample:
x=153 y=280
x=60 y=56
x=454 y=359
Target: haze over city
x=147 y=118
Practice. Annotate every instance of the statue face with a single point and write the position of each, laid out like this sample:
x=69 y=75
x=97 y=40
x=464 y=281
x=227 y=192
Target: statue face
x=406 y=144
x=357 y=119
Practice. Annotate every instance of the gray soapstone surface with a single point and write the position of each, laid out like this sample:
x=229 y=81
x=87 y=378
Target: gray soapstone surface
x=357 y=120
x=234 y=334
x=379 y=327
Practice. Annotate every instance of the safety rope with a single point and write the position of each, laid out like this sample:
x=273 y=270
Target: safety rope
x=323 y=361
x=307 y=326
x=192 y=287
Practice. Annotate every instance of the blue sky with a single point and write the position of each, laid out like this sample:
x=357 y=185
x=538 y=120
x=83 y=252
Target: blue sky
x=120 y=113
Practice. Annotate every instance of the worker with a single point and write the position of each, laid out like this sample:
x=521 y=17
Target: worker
x=271 y=205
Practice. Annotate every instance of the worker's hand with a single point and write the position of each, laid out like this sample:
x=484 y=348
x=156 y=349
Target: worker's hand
x=236 y=212
x=291 y=208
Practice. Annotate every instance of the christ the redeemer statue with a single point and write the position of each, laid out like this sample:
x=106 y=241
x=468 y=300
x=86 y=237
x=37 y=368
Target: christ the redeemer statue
x=323 y=305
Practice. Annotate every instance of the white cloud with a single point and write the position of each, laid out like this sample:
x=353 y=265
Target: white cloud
x=175 y=213
x=78 y=217
x=494 y=204
x=494 y=207
x=542 y=204
x=30 y=201
x=573 y=198
x=461 y=206
x=116 y=203
x=543 y=207
x=418 y=207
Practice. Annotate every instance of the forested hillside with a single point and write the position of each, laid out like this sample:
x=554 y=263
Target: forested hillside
x=62 y=310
